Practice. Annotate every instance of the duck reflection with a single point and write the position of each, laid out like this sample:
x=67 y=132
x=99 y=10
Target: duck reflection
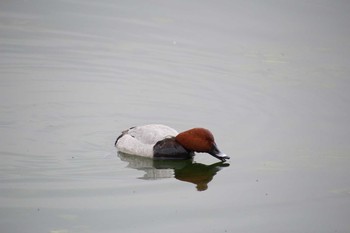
x=184 y=170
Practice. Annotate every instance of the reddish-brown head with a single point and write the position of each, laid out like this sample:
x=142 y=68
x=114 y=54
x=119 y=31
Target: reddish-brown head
x=200 y=140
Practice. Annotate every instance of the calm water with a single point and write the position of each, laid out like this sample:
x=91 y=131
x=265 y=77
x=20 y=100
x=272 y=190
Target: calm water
x=270 y=79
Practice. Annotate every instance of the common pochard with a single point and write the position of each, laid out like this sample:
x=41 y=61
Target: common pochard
x=163 y=142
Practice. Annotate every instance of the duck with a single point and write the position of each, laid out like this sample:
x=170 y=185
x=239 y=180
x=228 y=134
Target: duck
x=163 y=142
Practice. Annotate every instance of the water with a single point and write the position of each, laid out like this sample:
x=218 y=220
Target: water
x=271 y=81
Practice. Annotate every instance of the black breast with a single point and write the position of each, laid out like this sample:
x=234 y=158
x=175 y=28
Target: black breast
x=170 y=149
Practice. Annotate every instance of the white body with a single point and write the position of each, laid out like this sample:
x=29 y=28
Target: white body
x=141 y=139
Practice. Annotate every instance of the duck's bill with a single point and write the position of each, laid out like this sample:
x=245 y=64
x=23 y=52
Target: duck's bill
x=223 y=157
x=218 y=154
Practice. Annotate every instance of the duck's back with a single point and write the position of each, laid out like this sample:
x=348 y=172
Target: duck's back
x=151 y=134
x=140 y=140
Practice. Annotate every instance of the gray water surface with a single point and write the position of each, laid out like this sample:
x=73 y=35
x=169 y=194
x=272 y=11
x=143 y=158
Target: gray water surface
x=269 y=79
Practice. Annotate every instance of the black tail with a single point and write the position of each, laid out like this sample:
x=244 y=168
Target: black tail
x=123 y=133
x=115 y=144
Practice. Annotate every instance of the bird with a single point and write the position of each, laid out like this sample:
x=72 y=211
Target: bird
x=163 y=142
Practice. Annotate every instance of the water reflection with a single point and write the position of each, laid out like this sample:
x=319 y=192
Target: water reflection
x=184 y=170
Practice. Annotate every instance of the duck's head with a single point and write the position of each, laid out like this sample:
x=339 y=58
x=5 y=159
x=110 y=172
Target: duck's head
x=200 y=140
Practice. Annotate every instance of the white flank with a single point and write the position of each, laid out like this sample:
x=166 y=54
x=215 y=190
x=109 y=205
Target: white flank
x=141 y=139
